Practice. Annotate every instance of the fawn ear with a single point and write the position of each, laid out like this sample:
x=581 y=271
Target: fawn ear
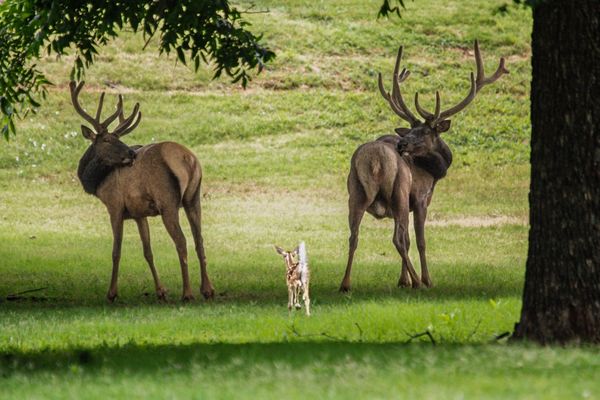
x=280 y=250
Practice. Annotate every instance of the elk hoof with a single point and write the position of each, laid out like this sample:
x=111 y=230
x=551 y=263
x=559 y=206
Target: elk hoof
x=404 y=282
x=111 y=296
x=344 y=288
x=416 y=284
x=208 y=293
x=161 y=294
x=187 y=298
x=427 y=283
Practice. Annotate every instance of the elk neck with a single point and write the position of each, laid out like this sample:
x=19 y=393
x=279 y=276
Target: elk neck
x=437 y=162
x=92 y=171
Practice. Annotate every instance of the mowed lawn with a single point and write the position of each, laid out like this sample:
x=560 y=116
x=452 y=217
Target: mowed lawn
x=275 y=159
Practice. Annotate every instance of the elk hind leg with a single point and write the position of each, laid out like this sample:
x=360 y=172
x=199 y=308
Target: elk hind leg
x=357 y=205
x=142 y=224
x=194 y=215
x=170 y=219
x=404 y=280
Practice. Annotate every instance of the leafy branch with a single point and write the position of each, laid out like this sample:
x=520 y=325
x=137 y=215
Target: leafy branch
x=210 y=32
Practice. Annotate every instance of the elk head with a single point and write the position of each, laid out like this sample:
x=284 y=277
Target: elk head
x=106 y=146
x=423 y=135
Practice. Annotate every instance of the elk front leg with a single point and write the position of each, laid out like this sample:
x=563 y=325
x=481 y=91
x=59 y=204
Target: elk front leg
x=142 y=224
x=194 y=215
x=400 y=233
x=171 y=220
x=116 y=221
x=420 y=214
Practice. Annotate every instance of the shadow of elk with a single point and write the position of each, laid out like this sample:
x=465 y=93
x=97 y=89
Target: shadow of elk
x=139 y=182
x=396 y=174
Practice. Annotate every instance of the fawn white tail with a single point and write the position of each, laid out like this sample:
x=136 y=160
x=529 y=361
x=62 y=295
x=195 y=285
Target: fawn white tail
x=297 y=276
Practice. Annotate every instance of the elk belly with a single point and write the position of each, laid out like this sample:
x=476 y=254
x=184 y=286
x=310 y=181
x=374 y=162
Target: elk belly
x=141 y=206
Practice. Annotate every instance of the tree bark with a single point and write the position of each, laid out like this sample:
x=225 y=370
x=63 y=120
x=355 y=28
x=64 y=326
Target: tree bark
x=561 y=298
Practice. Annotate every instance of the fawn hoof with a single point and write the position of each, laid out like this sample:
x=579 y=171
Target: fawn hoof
x=298 y=306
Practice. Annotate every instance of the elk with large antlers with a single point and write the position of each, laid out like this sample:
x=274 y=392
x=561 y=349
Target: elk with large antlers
x=396 y=174
x=135 y=184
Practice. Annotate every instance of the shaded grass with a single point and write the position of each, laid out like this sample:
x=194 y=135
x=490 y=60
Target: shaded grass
x=326 y=370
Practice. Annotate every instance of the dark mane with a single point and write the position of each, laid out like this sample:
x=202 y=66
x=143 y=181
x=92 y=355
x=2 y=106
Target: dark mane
x=91 y=171
x=436 y=163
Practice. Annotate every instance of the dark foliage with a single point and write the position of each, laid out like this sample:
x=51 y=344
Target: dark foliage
x=196 y=31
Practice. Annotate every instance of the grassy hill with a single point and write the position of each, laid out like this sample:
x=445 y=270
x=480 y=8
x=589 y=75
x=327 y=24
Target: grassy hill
x=275 y=159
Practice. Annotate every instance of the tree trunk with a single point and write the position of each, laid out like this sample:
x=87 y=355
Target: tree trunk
x=561 y=298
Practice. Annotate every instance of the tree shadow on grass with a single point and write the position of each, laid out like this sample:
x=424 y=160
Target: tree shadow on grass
x=151 y=358
x=370 y=283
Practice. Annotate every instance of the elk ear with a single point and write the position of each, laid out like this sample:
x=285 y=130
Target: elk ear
x=443 y=126
x=402 y=131
x=88 y=133
x=280 y=250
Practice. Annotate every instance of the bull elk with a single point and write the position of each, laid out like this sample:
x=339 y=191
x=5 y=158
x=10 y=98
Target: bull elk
x=396 y=174
x=139 y=182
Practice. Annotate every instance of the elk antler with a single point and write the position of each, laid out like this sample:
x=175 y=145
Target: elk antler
x=396 y=101
x=476 y=85
x=126 y=125
x=100 y=127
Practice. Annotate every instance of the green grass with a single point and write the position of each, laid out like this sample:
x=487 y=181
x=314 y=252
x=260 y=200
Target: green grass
x=275 y=159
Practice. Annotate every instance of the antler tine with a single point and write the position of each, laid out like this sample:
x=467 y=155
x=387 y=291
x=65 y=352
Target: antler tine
x=386 y=96
x=75 y=89
x=124 y=124
x=118 y=112
x=395 y=99
x=396 y=94
x=133 y=126
x=426 y=114
x=99 y=111
x=460 y=106
x=481 y=79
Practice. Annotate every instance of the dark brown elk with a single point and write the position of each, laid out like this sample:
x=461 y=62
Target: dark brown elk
x=156 y=179
x=396 y=174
